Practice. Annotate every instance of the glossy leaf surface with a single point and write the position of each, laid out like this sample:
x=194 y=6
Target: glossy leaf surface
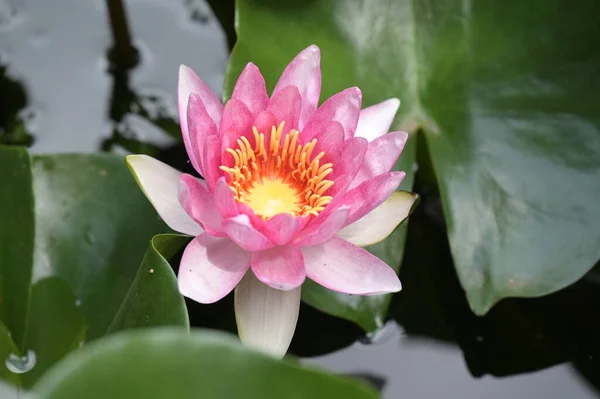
x=164 y=363
x=73 y=230
x=506 y=95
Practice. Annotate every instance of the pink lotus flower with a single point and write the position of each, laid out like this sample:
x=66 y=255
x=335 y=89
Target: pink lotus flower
x=291 y=191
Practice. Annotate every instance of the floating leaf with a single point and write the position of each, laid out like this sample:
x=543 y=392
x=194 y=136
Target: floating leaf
x=506 y=96
x=171 y=363
x=73 y=229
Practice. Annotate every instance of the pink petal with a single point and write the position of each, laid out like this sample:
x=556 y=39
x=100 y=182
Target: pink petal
x=323 y=229
x=330 y=139
x=263 y=123
x=381 y=156
x=370 y=194
x=285 y=106
x=352 y=158
x=224 y=199
x=283 y=227
x=241 y=231
x=212 y=160
x=200 y=126
x=211 y=268
x=236 y=122
x=344 y=267
x=200 y=204
x=304 y=72
x=190 y=83
x=344 y=107
x=375 y=121
x=281 y=267
x=251 y=90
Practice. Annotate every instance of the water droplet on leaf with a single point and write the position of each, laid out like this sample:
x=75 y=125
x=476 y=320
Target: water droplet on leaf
x=21 y=364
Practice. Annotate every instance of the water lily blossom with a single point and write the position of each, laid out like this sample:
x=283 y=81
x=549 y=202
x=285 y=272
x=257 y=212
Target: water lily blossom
x=290 y=190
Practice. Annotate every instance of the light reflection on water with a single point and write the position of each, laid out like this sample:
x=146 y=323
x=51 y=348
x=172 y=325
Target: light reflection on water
x=62 y=63
x=424 y=368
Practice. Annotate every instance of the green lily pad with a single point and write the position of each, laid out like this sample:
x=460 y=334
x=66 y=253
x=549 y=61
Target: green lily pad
x=154 y=280
x=506 y=95
x=171 y=363
x=73 y=229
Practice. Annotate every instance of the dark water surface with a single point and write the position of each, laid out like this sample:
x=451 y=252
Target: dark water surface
x=59 y=92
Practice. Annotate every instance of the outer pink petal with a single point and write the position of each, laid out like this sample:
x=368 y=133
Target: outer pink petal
x=281 y=268
x=199 y=203
x=304 y=72
x=370 y=194
x=382 y=153
x=344 y=267
x=351 y=158
x=323 y=230
x=200 y=126
x=190 y=83
x=286 y=105
x=241 y=231
x=283 y=227
x=251 y=90
x=343 y=107
x=375 y=121
x=211 y=268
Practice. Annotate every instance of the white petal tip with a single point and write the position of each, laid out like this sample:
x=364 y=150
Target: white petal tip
x=313 y=48
x=400 y=139
x=184 y=69
x=250 y=65
x=393 y=103
x=311 y=53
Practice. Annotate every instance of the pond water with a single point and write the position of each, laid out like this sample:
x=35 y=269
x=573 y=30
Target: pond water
x=59 y=92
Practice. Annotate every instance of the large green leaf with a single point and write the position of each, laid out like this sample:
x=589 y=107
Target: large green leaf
x=170 y=363
x=16 y=239
x=506 y=94
x=73 y=229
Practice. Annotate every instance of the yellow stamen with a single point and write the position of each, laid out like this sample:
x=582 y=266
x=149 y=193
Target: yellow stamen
x=279 y=176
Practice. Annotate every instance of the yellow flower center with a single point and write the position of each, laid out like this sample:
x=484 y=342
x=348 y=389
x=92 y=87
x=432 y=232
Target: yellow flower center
x=280 y=178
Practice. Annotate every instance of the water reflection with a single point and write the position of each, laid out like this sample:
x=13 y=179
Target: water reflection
x=80 y=103
x=14 y=118
x=425 y=368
